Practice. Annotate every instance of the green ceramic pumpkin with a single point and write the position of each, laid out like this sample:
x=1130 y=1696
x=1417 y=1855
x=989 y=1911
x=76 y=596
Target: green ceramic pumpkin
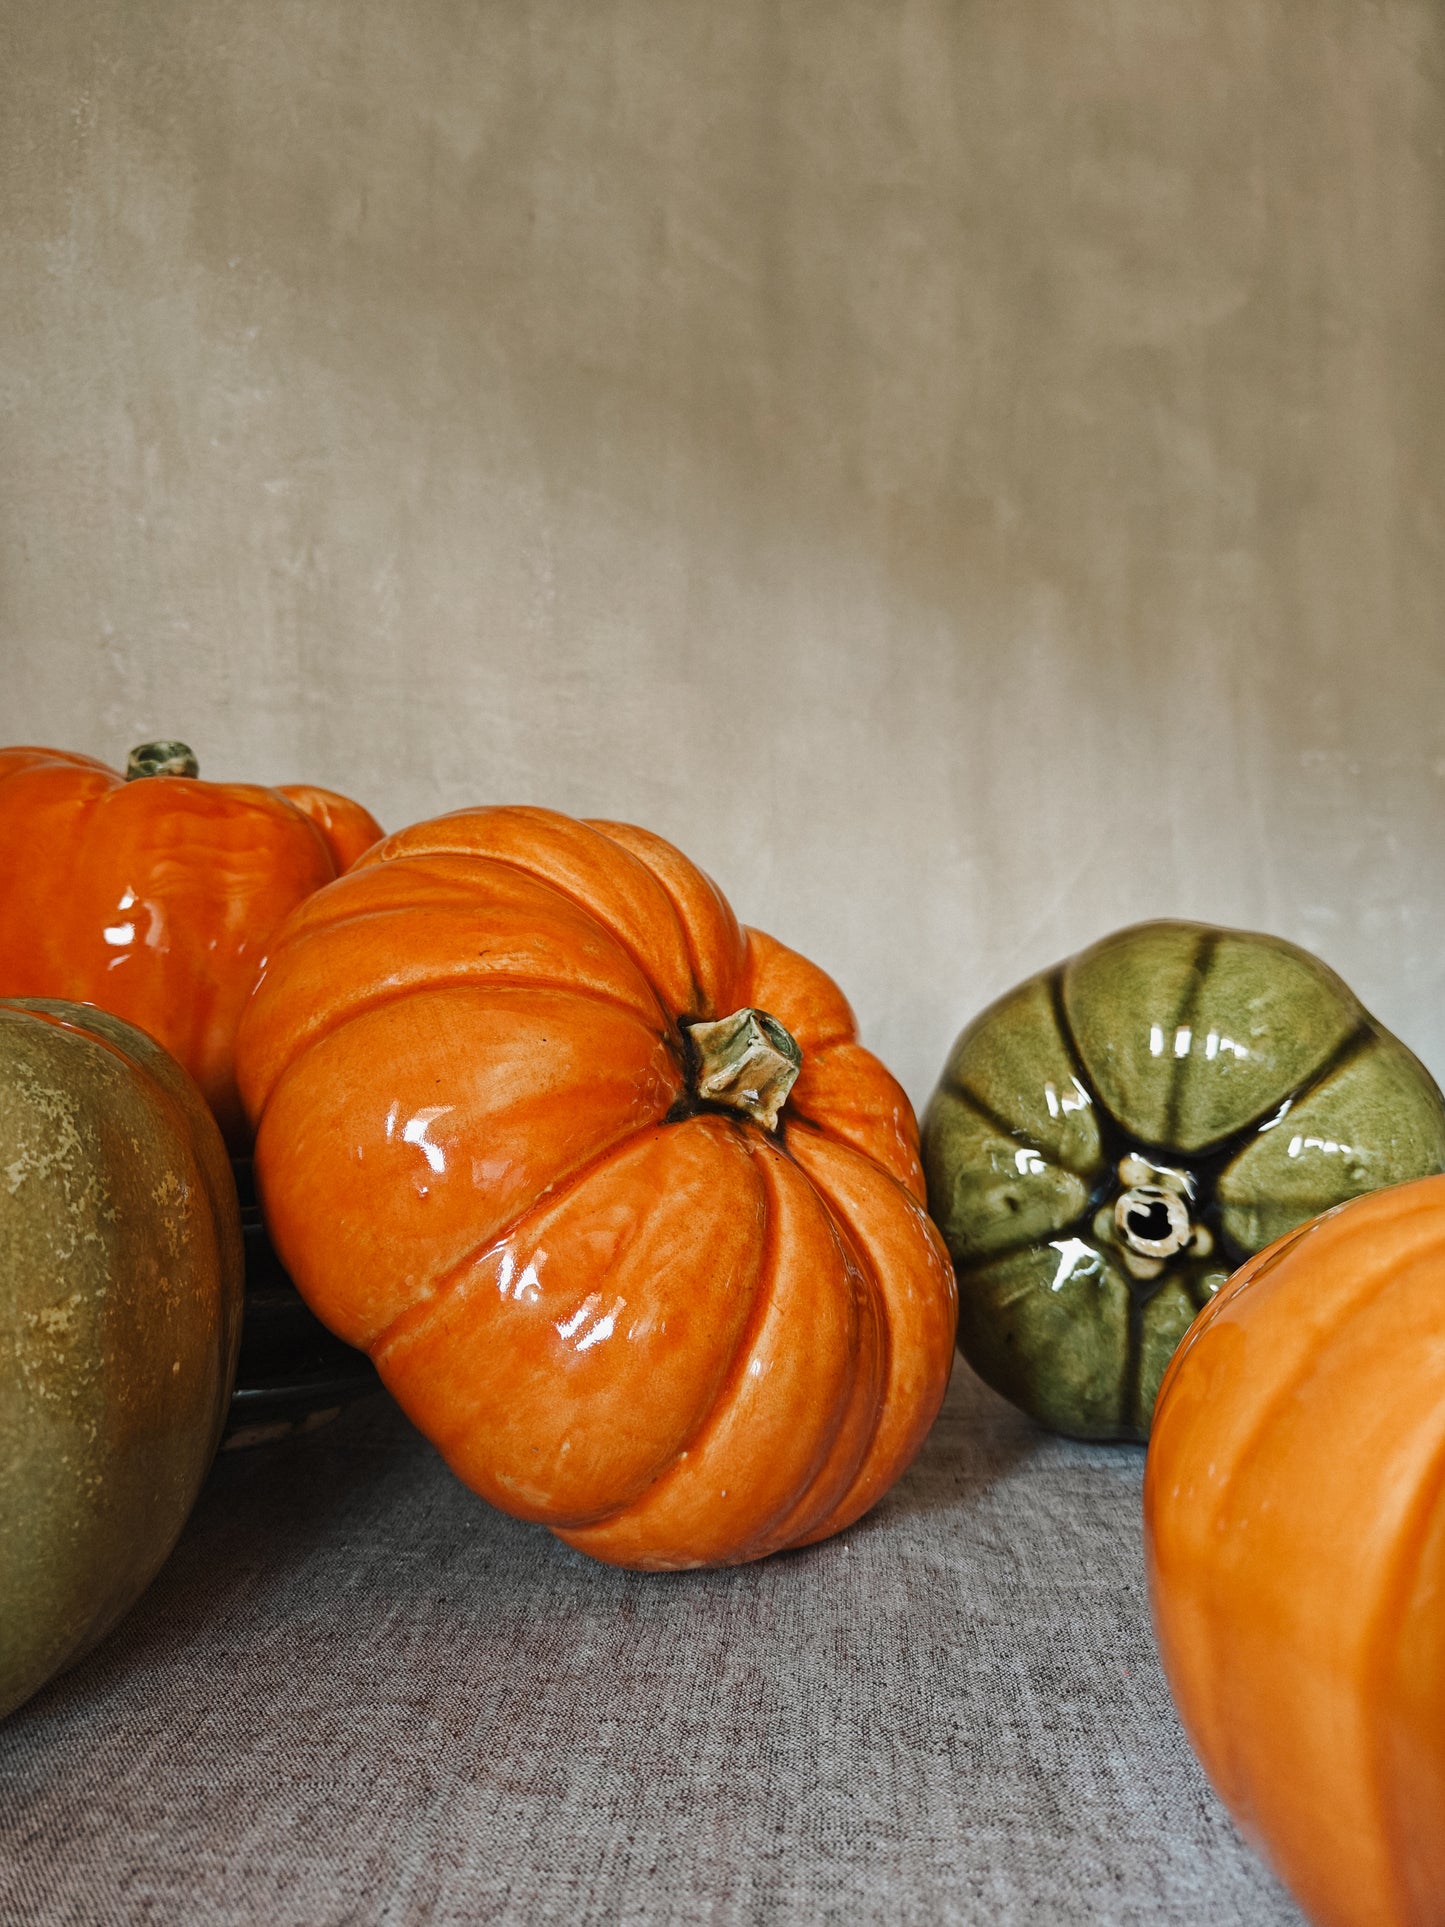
x=1113 y=1138
x=120 y=1304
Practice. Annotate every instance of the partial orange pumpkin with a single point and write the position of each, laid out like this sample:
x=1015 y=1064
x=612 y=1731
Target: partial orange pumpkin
x=1295 y=1532
x=530 y=1128
x=154 y=894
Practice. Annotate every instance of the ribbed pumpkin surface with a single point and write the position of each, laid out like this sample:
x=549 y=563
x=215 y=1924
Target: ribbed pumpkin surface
x=673 y=1336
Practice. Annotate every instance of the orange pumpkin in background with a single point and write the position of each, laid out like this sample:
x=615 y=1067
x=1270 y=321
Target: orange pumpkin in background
x=532 y=1129
x=1295 y=1532
x=154 y=894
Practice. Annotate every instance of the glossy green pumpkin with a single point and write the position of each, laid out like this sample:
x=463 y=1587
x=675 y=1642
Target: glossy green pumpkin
x=1113 y=1138
x=120 y=1305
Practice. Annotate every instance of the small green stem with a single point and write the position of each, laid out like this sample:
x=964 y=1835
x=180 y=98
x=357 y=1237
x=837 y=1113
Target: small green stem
x=161 y=759
x=747 y=1062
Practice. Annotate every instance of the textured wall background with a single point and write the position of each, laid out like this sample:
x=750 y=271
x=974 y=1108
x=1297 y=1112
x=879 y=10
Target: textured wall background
x=973 y=475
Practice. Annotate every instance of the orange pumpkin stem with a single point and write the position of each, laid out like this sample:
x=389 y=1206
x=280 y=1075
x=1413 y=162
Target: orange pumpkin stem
x=747 y=1062
x=161 y=759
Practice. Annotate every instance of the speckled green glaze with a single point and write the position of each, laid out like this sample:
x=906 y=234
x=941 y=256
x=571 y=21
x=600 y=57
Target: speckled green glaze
x=120 y=1307
x=1173 y=1086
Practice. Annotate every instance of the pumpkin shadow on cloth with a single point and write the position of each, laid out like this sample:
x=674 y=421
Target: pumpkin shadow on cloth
x=261 y=1515
x=978 y=1441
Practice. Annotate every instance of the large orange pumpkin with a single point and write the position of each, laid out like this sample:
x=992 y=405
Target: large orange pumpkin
x=527 y=1131
x=1295 y=1523
x=155 y=898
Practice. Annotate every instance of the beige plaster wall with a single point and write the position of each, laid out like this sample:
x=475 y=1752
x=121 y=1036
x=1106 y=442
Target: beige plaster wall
x=972 y=474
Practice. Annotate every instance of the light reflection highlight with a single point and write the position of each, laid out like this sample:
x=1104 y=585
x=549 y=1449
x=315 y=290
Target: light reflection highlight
x=1216 y=1044
x=1329 y=1146
x=414 y=1131
x=1076 y=1260
x=601 y=1328
x=1060 y=1104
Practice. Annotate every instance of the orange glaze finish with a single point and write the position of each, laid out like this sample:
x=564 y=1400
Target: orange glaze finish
x=347 y=827
x=155 y=899
x=670 y=1335
x=1295 y=1533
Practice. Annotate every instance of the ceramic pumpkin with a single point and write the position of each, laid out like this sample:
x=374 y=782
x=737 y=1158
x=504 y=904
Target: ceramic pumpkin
x=120 y=1312
x=629 y=1221
x=292 y=1374
x=1295 y=1535
x=154 y=894
x=1111 y=1139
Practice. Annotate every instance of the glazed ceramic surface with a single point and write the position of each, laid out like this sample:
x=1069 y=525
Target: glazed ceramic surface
x=1110 y=1140
x=1295 y=1533
x=629 y=1221
x=153 y=894
x=292 y=1374
x=120 y=1312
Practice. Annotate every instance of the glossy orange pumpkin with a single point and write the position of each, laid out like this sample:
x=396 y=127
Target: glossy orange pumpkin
x=1295 y=1527
x=155 y=898
x=512 y=1079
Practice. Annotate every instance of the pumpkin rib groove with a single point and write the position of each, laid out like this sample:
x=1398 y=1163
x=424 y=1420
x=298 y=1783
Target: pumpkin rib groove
x=804 y=1096
x=1063 y=1023
x=1228 y=1149
x=809 y=1519
x=803 y=1514
x=364 y=1007
x=592 y=910
x=555 y=1193
x=460 y=896
x=763 y=1280
x=1200 y=965
x=442 y=979
x=844 y=1509
x=484 y=980
x=1229 y=1145
x=464 y=1320
x=1360 y=1039
x=701 y=1002
x=1256 y=1442
x=763 y=1289
x=766 y=956
x=597 y=1101
x=997 y=1122
x=827 y=1491
x=799 y=1515
x=882 y=1313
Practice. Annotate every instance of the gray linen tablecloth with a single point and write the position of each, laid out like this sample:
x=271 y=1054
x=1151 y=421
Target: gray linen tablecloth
x=356 y=1694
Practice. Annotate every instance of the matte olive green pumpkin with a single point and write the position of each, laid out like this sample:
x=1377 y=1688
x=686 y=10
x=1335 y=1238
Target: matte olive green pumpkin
x=1113 y=1138
x=120 y=1307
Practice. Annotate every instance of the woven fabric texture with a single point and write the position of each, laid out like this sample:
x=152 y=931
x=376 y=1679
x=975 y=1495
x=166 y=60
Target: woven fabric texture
x=356 y=1694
